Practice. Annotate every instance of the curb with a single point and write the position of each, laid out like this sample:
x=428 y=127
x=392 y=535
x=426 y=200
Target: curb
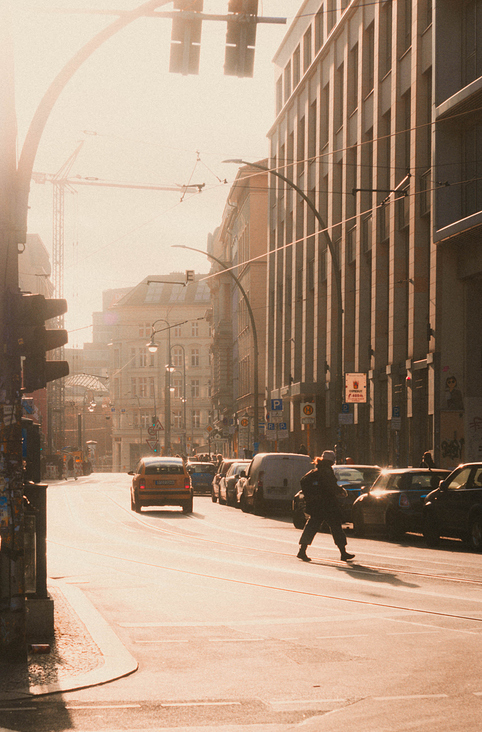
x=117 y=661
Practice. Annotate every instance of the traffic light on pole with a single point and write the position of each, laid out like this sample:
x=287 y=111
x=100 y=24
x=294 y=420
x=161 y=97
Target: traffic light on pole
x=186 y=37
x=32 y=340
x=241 y=38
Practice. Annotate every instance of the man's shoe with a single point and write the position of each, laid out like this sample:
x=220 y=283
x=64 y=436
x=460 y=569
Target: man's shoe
x=346 y=556
x=303 y=556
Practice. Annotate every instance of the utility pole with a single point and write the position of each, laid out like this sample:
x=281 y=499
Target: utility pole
x=12 y=583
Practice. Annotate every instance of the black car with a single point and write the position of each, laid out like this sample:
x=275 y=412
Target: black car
x=352 y=477
x=202 y=475
x=454 y=509
x=394 y=503
x=222 y=470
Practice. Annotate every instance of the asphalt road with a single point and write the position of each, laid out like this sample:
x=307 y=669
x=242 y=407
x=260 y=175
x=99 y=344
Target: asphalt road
x=232 y=632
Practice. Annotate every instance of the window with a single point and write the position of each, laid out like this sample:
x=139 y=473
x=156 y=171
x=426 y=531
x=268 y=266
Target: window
x=143 y=386
x=287 y=81
x=152 y=387
x=369 y=60
x=133 y=358
x=386 y=39
x=351 y=245
x=296 y=67
x=177 y=357
x=324 y=115
x=196 y=417
x=177 y=331
x=406 y=10
x=142 y=357
x=195 y=329
x=144 y=330
x=425 y=185
x=195 y=359
x=471 y=57
x=195 y=388
x=353 y=79
x=176 y=387
x=319 y=37
x=459 y=480
x=330 y=15
x=307 y=52
x=134 y=387
x=154 y=292
x=146 y=420
x=279 y=94
x=339 y=97
x=177 y=419
x=471 y=167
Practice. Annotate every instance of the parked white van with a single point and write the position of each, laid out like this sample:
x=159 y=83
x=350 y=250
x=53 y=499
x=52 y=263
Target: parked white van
x=272 y=479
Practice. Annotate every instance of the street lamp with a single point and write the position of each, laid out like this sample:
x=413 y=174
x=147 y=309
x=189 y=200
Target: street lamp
x=339 y=395
x=254 y=333
x=152 y=347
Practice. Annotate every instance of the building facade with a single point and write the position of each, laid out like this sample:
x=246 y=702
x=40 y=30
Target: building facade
x=238 y=315
x=353 y=291
x=161 y=399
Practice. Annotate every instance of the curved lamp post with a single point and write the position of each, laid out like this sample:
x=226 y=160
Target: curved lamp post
x=336 y=269
x=255 y=337
x=152 y=347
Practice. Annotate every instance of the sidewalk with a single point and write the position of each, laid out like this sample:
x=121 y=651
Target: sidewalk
x=85 y=652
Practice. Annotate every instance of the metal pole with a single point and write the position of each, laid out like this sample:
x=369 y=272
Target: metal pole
x=339 y=396
x=168 y=394
x=255 y=339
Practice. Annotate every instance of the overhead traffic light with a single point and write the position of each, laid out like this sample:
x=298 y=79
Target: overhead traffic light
x=32 y=340
x=241 y=38
x=186 y=37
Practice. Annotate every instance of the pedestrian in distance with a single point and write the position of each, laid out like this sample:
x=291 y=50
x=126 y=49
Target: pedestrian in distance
x=303 y=450
x=321 y=492
x=427 y=461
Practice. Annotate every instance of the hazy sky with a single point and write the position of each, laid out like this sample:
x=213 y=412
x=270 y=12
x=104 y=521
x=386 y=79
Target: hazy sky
x=140 y=124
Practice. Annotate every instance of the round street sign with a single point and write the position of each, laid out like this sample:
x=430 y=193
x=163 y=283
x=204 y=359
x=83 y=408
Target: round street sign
x=244 y=422
x=308 y=409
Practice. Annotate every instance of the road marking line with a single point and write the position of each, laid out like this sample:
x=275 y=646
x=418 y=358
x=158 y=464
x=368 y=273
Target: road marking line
x=18 y=709
x=357 y=635
x=102 y=706
x=201 y=704
x=410 y=696
x=415 y=632
x=477 y=693
x=307 y=701
x=162 y=641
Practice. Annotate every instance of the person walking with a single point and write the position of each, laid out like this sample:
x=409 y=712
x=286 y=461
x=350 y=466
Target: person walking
x=427 y=460
x=321 y=490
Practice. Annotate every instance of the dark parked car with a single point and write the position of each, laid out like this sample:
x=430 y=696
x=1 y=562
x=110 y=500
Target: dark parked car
x=352 y=477
x=227 y=483
x=222 y=470
x=454 y=509
x=394 y=503
x=202 y=475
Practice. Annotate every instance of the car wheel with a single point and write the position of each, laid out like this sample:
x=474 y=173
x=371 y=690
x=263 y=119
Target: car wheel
x=221 y=499
x=475 y=533
x=187 y=506
x=213 y=496
x=299 y=519
x=258 y=504
x=135 y=505
x=431 y=534
x=358 y=523
x=244 y=504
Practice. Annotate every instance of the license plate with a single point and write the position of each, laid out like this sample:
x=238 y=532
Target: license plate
x=165 y=482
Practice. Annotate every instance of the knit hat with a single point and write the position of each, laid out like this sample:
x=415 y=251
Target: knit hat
x=329 y=455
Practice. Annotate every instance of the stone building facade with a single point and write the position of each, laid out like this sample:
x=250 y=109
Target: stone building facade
x=355 y=104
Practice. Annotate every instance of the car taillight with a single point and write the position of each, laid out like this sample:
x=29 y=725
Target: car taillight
x=187 y=485
x=260 y=478
x=142 y=486
x=403 y=501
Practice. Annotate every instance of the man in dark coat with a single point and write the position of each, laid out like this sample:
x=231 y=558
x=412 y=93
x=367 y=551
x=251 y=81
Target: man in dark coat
x=321 y=491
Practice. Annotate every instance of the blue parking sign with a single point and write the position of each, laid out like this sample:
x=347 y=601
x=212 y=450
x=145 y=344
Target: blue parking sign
x=276 y=405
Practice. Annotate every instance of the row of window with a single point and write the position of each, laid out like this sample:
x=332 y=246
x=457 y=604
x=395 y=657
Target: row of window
x=142 y=358
x=195 y=418
x=145 y=387
x=177 y=331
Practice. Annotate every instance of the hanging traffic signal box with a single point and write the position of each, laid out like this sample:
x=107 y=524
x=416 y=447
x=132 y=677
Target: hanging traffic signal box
x=241 y=38
x=32 y=340
x=186 y=37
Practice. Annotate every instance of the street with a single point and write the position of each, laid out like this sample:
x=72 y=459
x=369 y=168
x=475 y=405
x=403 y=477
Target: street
x=231 y=631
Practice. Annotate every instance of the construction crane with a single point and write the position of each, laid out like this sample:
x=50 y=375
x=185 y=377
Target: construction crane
x=62 y=182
